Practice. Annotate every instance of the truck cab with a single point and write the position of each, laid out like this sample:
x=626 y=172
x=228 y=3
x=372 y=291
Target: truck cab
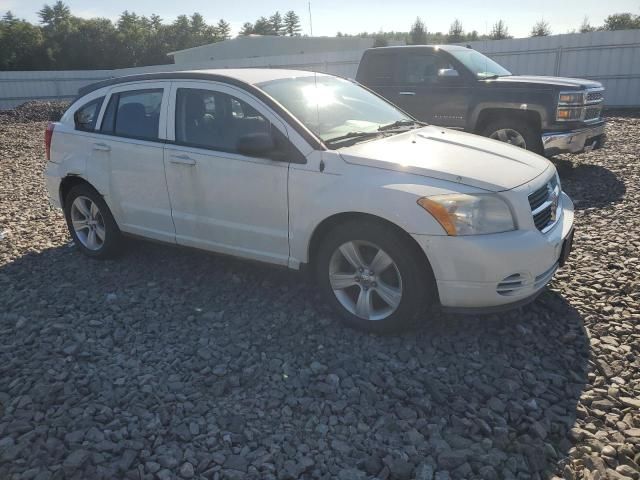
x=458 y=87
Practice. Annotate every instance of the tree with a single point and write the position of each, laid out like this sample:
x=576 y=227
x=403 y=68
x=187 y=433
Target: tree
x=540 y=29
x=456 y=32
x=499 y=31
x=247 y=29
x=586 y=26
x=262 y=27
x=379 y=40
x=276 y=23
x=622 y=21
x=21 y=44
x=292 y=23
x=418 y=33
x=223 y=30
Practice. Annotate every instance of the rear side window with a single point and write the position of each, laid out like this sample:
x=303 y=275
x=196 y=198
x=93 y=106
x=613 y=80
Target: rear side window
x=86 y=116
x=134 y=114
x=378 y=69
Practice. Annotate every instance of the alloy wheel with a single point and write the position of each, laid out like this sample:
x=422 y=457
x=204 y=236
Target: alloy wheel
x=88 y=223
x=365 y=280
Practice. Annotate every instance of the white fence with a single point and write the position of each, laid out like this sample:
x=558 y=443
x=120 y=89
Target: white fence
x=612 y=58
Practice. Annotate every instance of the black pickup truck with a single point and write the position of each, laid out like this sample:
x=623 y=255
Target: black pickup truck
x=458 y=87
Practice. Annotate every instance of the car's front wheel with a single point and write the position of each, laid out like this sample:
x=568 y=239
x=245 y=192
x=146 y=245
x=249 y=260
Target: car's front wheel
x=91 y=223
x=374 y=277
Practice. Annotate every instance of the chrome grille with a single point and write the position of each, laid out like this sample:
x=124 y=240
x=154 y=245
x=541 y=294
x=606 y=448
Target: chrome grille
x=592 y=113
x=595 y=96
x=544 y=205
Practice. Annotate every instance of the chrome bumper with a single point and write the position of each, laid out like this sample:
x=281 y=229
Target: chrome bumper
x=574 y=141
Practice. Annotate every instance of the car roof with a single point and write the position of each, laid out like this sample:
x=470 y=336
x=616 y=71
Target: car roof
x=247 y=76
x=433 y=47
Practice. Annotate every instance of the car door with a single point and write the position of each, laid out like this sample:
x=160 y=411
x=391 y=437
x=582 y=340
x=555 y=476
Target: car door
x=223 y=200
x=127 y=162
x=431 y=89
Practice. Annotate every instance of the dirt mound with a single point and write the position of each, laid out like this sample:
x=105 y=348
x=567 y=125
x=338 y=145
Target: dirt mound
x=35 y=111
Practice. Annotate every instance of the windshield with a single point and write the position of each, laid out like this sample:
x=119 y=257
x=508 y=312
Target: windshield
x=332 y=107
x=481 y=65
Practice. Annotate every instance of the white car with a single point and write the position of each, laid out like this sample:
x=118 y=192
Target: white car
x=303 y=169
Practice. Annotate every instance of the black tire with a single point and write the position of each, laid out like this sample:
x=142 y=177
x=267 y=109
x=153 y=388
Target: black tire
x=112 y=243
x=529 y=131
x=418 y=286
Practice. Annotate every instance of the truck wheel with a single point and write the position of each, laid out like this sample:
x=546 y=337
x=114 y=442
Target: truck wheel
x=516 y=132
x=371 y=276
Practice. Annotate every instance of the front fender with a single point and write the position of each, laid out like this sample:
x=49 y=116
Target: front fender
x=392 y=196
x=507 y=107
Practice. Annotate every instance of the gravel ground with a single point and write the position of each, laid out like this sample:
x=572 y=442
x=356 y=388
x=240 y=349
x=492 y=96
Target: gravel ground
x=170 y=363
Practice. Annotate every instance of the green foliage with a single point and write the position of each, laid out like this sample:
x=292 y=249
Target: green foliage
x=540 y=29
x=622 y=21
x=499 y=31
x=418 y=33
x=586 y=26
x=63 y=41
x=292 y=24
x=456 y=32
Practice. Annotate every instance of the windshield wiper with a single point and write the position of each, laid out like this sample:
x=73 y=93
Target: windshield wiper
x=400 y=123
x=352 y=136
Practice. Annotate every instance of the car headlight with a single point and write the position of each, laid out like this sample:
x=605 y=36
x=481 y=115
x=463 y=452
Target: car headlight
x=462 y=214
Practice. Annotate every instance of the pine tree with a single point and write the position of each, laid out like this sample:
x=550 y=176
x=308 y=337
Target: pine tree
x=291 y=23
x=418 y=33
x=247 y=29
x=456 y=32
x=262 y=27
x=499 y=31
x=223 y=30
x=540 y=29
x=276 y=23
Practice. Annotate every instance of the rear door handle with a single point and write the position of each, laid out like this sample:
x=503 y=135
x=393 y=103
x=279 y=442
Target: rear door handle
x=182 y=160
x=101 y=147
x=408 y=94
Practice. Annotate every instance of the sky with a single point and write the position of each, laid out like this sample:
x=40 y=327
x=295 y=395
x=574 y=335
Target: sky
x=355 y=16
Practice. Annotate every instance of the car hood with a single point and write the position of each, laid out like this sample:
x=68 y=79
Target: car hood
x=450 y=155
x=577 y=83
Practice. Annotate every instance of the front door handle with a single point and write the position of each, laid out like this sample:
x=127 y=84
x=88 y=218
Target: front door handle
x=182 y=160
x=101 y=147
x=407 y=94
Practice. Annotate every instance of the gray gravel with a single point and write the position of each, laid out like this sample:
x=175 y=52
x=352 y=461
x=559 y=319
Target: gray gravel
x=169 y=363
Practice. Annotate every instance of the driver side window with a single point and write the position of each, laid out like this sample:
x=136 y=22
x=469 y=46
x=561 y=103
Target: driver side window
x=215 y=120
x=420 y=69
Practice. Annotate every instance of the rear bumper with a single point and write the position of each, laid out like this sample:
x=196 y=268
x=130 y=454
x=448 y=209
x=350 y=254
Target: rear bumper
x=573 y=141
x=52 y=180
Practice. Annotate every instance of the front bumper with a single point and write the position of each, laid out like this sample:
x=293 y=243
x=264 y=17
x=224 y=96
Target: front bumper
x=573 y=141
x=471 y=271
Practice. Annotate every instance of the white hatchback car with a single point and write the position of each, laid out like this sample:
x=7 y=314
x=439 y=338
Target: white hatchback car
x=296 y=168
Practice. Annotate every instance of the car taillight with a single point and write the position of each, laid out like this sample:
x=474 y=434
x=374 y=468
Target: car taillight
x=48 y=134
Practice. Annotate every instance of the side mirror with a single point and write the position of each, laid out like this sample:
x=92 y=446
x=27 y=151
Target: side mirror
x=256 y=145
x=448 y=73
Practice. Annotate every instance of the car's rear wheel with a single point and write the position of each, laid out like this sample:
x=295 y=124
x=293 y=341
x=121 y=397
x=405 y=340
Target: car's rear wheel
x=374 y=277
x=516 y=132
x=91 y=223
